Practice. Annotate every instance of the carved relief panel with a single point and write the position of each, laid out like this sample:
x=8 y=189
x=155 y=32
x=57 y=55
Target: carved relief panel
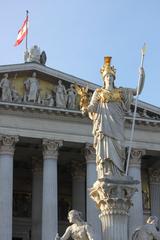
x=33 y=89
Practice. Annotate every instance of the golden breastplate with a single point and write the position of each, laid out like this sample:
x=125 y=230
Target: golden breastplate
x=109 y=96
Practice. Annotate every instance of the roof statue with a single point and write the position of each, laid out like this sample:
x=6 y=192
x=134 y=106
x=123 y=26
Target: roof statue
x=35 y=55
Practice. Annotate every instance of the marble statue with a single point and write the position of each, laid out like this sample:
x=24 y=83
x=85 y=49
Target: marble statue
x=34 y=54
x=61 y=95
x=15 y=95
x=43 y=58
x=26 y=90
x=71 y=98
x=107 y=109
x=79 y=230
x=5 y=85
x=31 y=88
x=48 y=100
x=147 y=231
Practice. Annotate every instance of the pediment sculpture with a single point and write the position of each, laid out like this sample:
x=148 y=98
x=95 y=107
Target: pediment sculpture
x=32 y=90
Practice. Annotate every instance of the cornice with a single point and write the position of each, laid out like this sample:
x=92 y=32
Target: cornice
x=140 y=119
x=46 y=70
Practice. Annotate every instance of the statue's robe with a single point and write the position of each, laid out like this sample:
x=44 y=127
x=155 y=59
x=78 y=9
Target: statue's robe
x=107 y=110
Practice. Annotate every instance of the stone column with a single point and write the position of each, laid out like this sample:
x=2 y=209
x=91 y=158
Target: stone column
x=92 y=211
x=37 y=183
x=49 y=205
x=155 y=192
x=78 y=187
x=7 y=147
x=136 y=211
x=113 y=197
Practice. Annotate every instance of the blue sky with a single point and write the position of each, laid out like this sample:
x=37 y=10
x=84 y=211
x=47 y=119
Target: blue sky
x=77 y=34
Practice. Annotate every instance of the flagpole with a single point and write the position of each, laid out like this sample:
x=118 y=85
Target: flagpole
x=27 y=30
x=135 y=110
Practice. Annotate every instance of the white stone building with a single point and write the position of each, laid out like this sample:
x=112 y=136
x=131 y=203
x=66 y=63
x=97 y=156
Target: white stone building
x=46 y=160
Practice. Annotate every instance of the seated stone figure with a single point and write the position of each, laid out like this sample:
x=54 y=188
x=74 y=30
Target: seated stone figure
x=148 y=231
x=79 y=230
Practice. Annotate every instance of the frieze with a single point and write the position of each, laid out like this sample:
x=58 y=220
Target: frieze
x=36 y=91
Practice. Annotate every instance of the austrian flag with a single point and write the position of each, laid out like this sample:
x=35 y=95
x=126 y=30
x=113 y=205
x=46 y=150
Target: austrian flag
x=22 y=32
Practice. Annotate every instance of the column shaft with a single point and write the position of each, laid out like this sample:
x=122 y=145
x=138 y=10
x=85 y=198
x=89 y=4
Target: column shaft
x=6 y=185
x=92 y=211
x=136 y=211
x=50 y=206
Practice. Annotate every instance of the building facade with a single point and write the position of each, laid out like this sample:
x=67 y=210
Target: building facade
x=47 y=162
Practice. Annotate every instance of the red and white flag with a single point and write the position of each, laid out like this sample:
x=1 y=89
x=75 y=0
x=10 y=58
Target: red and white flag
x=22 y=32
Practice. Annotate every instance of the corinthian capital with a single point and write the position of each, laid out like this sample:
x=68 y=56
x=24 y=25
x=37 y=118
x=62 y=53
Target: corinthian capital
x=136 y=156
x=50 y=148
x=90 y=153
x=154 y=175
x=112 y=198
x=7 y=144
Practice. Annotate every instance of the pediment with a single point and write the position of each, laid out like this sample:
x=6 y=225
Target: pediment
x=40 y=89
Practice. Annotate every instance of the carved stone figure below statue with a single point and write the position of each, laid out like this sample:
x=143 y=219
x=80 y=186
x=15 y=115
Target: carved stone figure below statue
x=15 y=95
x=5 y=85
x=148 y=231
x=71 y=98
x=79 y=230
x=61 y=95
x=31 y=88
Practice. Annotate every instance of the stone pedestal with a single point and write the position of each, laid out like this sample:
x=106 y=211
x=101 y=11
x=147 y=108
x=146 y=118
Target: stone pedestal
x=155 y=192
x=92 y=211
x=113 y=197
x=136 y=211
x=37 y=199
x=49 y=205
x=7 y=146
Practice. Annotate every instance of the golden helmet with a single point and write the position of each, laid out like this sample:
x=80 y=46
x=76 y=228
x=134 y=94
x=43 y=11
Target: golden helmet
x=107 y=68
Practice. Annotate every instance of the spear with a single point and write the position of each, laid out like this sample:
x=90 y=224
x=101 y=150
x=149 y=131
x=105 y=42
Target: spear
x=143 y=51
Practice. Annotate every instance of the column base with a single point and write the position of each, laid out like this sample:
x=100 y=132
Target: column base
x=112 y=195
